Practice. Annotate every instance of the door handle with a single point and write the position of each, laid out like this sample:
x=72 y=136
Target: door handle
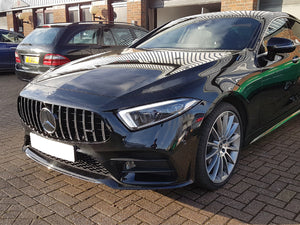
x=296 y=59
x=13 y=48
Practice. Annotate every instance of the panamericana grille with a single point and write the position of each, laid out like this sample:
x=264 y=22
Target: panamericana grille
x=71 y=124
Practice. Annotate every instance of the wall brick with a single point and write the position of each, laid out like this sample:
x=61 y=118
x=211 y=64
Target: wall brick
x=60 y=15
x=28 y=27
x=137 y=11
x=229 y=5
x=10 y=20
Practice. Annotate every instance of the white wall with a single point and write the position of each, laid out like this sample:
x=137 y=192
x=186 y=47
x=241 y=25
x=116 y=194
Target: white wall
x=170 y=13
x=3 y=22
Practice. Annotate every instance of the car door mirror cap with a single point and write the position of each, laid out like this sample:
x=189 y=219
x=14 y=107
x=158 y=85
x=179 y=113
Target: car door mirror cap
x=279 y=45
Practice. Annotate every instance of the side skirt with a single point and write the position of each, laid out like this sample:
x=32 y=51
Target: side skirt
x=276 y=126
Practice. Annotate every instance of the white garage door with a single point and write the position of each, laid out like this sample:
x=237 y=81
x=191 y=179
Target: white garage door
x=289 y=6
x=3 y=22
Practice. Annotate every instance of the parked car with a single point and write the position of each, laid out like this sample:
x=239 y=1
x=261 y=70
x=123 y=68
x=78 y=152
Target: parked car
x=174 y=108
x=9 y=41
x=53 y=45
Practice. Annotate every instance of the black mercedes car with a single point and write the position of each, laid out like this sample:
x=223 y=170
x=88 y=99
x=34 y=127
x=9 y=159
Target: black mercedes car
x=174 y=108
x=53 y=45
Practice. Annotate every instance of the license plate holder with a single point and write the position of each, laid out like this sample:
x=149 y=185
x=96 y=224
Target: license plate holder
x=32 y=59
x=53 y=148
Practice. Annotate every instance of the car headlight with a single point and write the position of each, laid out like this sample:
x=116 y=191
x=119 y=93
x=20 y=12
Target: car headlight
x=148 y=115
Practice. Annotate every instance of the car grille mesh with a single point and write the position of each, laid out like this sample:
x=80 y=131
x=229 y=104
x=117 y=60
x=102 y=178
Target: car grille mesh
x=71 y=124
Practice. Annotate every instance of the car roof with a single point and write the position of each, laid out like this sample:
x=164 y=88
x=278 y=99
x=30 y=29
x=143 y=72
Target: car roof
x=91 y=23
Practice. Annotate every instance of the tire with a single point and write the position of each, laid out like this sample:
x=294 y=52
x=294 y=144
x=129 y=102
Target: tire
x=219 y=147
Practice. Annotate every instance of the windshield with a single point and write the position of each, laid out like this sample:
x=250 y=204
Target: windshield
x=42 y=36
x=214 y=34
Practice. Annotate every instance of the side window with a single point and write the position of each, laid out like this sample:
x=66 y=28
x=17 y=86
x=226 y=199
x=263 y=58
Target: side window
x=295 y=28
x=122 y=36
x=108 y=39
x=10 y=37
x=139 y=33
x=278 y=28
x=86 y=37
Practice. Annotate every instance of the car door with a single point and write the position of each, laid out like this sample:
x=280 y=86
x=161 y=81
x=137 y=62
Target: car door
x=295 y=37
x=8 y=45
x=278 y=77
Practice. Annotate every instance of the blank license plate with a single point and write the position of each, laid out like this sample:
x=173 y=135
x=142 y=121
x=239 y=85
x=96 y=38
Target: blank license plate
x=53 y=148
x=31 y=59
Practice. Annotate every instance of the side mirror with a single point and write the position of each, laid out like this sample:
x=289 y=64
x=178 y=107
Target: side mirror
x=279 y=45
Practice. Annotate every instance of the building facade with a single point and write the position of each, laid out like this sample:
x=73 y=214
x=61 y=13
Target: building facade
x=24 y=15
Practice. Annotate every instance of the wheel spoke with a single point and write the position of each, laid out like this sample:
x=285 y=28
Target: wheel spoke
x=220 y=173
x=218 y=135
x=212 y=164
x=233 y=148
x=211 y=154
x=226 y=165
x=214 y=144
x=229 y=158
x=232 y=130
x=220 y=126
x=234 y=138
x=225 y=123
x=216 y=169
x=229 y=125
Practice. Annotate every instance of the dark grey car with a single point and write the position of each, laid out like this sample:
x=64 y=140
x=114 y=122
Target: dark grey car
x=50 y=46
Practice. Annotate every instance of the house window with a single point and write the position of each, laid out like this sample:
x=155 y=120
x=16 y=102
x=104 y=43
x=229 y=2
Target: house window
x=79 y=13
x=44 y=16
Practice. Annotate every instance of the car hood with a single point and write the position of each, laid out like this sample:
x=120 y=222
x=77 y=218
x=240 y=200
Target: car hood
x=129 y=74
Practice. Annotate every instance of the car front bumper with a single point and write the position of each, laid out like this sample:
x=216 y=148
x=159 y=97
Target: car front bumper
x=162 y=156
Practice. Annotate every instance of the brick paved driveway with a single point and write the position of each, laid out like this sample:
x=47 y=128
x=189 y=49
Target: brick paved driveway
x=264 y=189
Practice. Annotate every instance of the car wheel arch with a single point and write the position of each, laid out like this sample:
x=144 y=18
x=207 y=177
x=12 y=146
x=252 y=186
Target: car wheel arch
x=238 y=102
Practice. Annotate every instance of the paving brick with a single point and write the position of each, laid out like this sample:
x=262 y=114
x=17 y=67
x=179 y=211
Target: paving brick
x=56 y=219
x=243 y=216
x=107 y=196
x=126 y=213
x=217 y=219
x=86 y=203
x=61 y=209
x=281 y=220
x=294 y=206
x=102 y=219
x=25 y=200
x=169 y=210
x=148 y=205
x=71 y=190
x=79 y=219
x=174 y=220
x=130 y=199
x=254 y=207
x=62 y=197
x=230 y=202
x=192 y=215
x=262 y=218
x=45 y=200
x=279 y=212
x=87 y=193
x=131 y=221
x=41 y=210
x=106 y=208
x=148 y=217
x=286 y=195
